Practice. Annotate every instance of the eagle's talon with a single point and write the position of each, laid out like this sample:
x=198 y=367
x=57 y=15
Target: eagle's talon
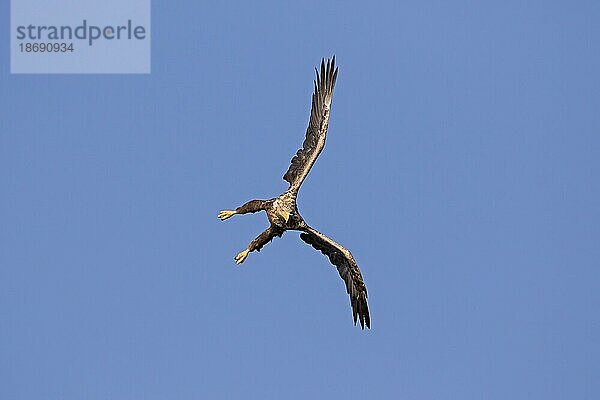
x=225 y=214
x=241 y=257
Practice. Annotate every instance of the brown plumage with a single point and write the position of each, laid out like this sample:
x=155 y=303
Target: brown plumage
x=282 y=211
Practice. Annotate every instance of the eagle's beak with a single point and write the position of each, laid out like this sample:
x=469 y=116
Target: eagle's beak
x=286 y=216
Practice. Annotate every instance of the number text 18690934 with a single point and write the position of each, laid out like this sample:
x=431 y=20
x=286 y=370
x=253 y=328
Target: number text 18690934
x=46 y=47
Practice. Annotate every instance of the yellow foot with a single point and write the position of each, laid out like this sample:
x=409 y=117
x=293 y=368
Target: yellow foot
x=241 y=257
x=225 y=214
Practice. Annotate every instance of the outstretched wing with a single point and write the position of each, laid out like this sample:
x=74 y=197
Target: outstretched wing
x=348 y=269
x=317 y=126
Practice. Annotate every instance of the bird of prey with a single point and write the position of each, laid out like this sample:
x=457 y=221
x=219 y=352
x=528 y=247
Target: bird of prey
x=282 y=210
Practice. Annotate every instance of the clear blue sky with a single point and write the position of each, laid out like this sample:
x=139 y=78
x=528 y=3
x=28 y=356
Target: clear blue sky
x=461 y=169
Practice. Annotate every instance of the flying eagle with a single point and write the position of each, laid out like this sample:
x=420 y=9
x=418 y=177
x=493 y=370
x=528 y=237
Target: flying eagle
x=282 y=210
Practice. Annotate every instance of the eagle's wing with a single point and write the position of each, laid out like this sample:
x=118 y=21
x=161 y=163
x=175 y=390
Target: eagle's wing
x=317 y=126
x=348 y=269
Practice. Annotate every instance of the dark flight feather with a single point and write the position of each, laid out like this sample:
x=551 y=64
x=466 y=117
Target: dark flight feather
x=317 y=126
x=348 y=270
